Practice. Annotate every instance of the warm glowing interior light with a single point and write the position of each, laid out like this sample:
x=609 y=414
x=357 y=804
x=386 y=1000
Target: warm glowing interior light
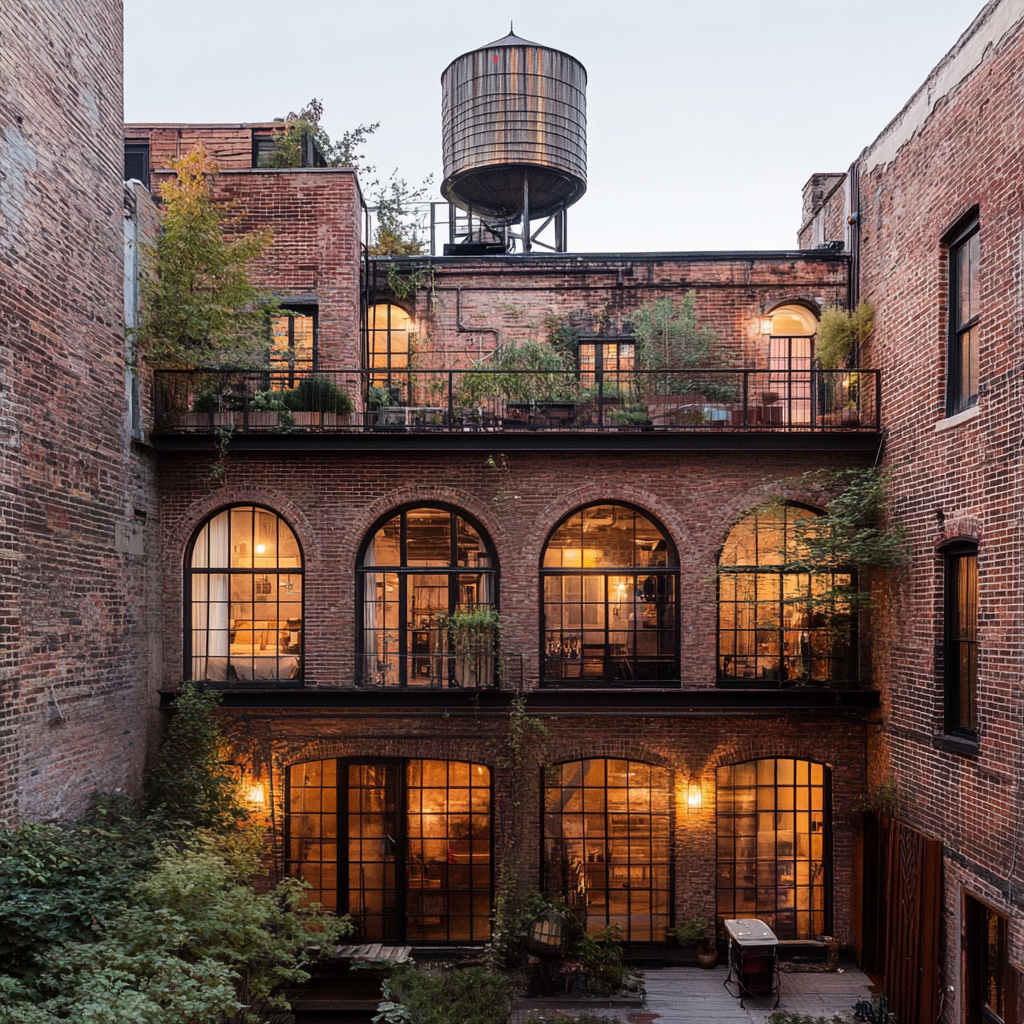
x=256 y=795
x=261 y=549
x=693 y=798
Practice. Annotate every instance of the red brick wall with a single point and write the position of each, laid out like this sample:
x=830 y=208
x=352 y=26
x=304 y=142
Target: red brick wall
x=469 y=305
x=315 y=217
x=75 y=715
x=957 y=144
x=332 y=501
x=692 y=744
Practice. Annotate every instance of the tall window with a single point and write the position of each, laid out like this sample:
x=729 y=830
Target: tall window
x=610 y=362
x=609 y=581
x=419 y=569
x=244 y=592
x=961 y=639
x=964 y=313
x=293 y=346
x=387 y=340
x=777 y=627
x=787 y=398
x=607 y=835
x=991 y=989
x=402 y=846
x=773 y=856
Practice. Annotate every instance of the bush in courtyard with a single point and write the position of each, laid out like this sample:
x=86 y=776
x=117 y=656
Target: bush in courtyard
x=468 y=996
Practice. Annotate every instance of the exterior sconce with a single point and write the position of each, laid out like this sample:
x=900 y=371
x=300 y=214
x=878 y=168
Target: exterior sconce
x=694 y=798
x=255 y=796
x=766 y=325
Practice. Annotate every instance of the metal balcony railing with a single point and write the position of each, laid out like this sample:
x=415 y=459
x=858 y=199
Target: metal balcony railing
x=455 y=401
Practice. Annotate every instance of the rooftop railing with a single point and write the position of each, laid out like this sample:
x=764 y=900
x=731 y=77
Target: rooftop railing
x=454 y=401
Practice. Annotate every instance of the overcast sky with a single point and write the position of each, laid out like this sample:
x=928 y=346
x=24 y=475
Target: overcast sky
x=704 y=119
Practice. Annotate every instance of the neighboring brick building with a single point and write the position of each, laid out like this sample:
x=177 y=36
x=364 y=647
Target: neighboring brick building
x=78 y=515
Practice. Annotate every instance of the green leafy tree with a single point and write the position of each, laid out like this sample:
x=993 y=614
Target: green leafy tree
x=343 y=152
x=396 y=233
x=199 y=305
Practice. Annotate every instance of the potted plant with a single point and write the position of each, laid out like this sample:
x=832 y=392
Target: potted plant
x=317 y=401
x=691 y=932
x=707 y=954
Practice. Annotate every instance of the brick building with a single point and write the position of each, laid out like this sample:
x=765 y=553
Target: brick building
x=77 y=498
x=711 y=742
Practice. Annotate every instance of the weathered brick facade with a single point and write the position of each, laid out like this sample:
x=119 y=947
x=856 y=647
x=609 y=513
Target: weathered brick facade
x=78 y=514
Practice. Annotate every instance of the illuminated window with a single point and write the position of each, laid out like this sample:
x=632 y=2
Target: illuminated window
x=412 y=861
x=609 y=580
x=245 y=585
x=777 y=627
x=293 y=346
x=607 y=845
x=790 y=348
x=964 y=314
x=961 y=639
x=421 y=567
x=387 y=331
x=611 y=362
x=773 y=855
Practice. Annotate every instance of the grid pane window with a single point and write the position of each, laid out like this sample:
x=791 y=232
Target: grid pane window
x=772 y=850
x=245 y=582
x=414 y=861
x=607 y=845
x=421 y=567
x=313 y=830
x=961 y=566
x=292 y=350
x=611 y=362
x=387 y=338
x=964 y=312
x=777 y=627
x=609 y=582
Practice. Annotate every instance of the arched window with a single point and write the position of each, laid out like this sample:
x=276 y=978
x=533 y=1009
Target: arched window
x=387 y=339
x=777 y=627
x=402 y=846
x=425 y=571
x=244 y=589
x=609 y=580
x=774 y=862
x=607 y=845
x=790 y=349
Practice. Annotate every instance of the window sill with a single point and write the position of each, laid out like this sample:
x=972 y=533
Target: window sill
x=961 y=417
x=962 y=745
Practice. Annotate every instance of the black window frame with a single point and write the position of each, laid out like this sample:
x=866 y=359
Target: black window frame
x=453 y=571
x=953 y=555
x=302 y=309
x=309 y=153
x=187 y=572
x=960 y=396
x=980 y=968
x=673 y=570
x=137 y=149
x=401 y=838
x=726 y=680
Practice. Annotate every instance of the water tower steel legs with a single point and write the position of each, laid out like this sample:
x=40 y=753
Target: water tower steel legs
x=526 y=212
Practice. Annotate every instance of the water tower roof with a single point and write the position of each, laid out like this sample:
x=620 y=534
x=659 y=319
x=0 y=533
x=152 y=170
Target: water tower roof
x=511 y=40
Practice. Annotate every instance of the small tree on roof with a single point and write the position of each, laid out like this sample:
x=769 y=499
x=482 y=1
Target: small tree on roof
x=200 y=307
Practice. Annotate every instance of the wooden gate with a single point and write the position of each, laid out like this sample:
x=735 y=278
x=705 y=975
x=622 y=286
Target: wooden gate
x=909 y=901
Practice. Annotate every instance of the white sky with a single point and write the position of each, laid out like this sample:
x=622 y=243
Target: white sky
x=704 y=119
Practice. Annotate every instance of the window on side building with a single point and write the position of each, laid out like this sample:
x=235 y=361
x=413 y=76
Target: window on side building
x=777 y=627
x=991 y=989
x=293 y=345
x=961 y=638
x=136 y=162
x=244 y=587
x=964 y=314
x=609 y=612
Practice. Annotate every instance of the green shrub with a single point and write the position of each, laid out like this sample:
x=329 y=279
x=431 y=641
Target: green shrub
x=318 y=393
x=468 y=996
x=693 y=931
x=840 y=332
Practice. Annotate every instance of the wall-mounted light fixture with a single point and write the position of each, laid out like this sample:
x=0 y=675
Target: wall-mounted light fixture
x=694 y=797
x=766 y=325
x=256 y=796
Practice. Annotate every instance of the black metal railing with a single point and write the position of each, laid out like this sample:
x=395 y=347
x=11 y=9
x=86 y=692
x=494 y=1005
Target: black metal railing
x=255 y=401
x=439 y=670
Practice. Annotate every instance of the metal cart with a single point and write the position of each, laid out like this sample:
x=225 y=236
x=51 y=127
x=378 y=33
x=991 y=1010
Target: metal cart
x=753 y=955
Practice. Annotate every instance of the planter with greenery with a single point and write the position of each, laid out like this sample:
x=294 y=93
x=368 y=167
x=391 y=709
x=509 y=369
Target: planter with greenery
x=474 y=638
